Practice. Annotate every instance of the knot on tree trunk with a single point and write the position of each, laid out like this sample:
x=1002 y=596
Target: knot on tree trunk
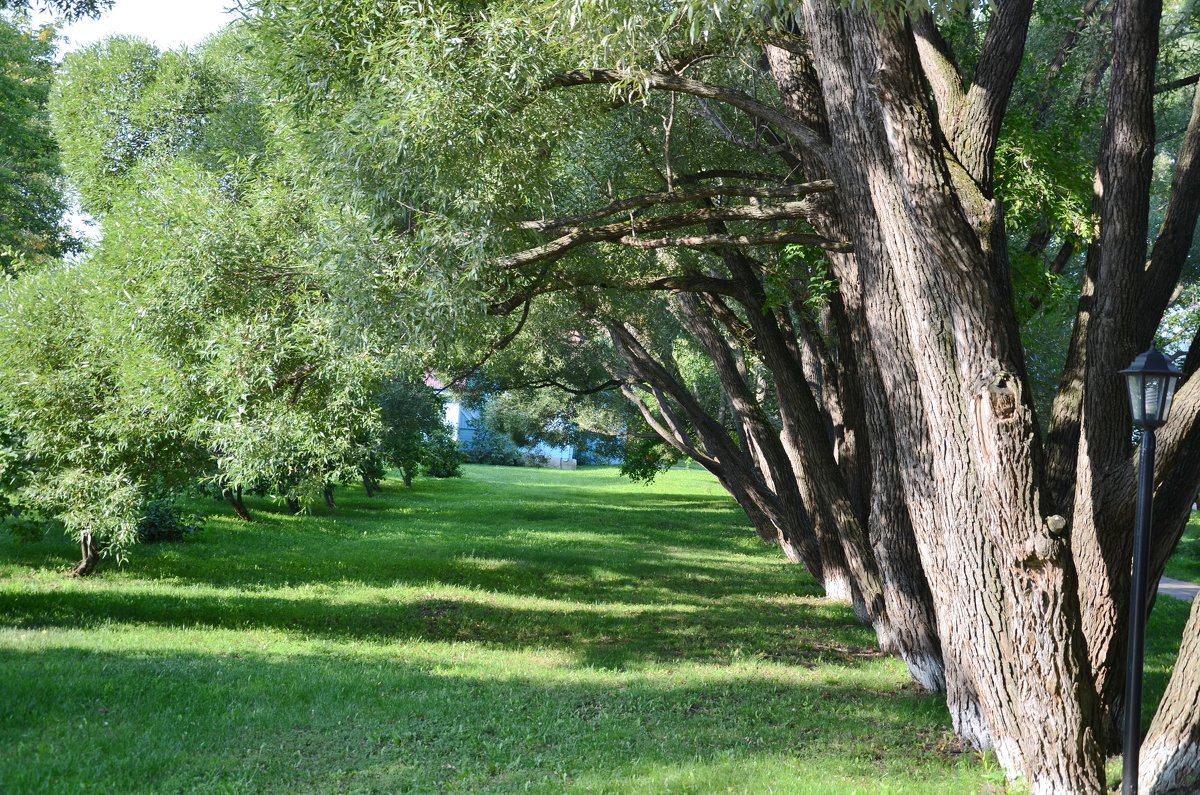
x=1002 y=397
x=1041 y=550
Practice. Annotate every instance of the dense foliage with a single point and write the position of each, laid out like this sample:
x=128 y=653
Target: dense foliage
x=199 y=340
x=33 y=231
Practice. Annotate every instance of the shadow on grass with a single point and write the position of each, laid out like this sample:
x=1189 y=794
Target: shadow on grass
x=799 y=634
x=182 y=722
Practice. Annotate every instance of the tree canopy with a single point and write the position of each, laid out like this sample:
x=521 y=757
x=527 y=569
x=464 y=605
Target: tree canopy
x=32 y=203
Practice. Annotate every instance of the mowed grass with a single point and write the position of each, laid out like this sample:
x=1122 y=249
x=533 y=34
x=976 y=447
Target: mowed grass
x=511 y=631
x=1185 y=563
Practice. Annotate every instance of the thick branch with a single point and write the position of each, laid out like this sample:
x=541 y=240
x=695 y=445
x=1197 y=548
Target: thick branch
x=976 y=128
x=570 y=223
x=717 y=241
x=1175 y=235
x=938 y=64
x=626 y=231
x=1175 y=85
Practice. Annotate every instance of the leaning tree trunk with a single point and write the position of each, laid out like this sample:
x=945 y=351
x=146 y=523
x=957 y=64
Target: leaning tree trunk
x=771 y=457
x=1000 y=570
x=866 y=430
x=89 y=556
x=1170 y=760
x=369 y=485
x=735 y=468
x=327 y=493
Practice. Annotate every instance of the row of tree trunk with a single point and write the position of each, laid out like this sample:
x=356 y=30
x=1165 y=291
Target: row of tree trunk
x=890 y=445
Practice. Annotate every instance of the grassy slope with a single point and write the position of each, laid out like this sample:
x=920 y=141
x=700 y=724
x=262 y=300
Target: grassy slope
x=516 y=630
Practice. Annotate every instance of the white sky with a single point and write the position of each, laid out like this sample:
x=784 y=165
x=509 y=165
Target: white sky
x=167 y=23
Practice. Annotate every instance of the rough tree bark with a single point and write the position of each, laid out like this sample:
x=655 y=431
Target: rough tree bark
x=1021 y=552
x=999 y=570
x=1100 y=540
x=734 y=467
x=866 y=433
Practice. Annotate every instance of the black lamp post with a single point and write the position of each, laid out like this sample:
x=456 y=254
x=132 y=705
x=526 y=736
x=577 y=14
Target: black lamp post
x=1152 y=380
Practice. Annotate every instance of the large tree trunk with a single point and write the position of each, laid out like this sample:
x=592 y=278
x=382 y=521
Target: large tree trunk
x=1021 y=554
x=766 y=449
x=751 y=486
x=1170 y=758
x=1100 y=538
x=999 y=570
x=89 y=556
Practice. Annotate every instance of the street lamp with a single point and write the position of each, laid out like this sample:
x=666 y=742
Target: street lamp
x=1152 y=380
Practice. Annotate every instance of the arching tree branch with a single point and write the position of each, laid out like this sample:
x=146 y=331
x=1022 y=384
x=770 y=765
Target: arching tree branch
x=628 y=232
x=572 y=222
x=495 y=348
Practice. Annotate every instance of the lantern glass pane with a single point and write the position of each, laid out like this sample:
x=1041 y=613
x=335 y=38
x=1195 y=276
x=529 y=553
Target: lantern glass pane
x=1136 y=404
x=1153 y=392
x=1169 y=397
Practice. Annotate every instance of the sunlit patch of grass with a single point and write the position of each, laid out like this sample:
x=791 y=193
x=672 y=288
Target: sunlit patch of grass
x=515 y=630
x=1185 y=563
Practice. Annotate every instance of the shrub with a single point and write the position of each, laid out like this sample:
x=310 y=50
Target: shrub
x=164 y=521
x=25 y=530
x=646 y=458
x=441 y=457
x=489 y=447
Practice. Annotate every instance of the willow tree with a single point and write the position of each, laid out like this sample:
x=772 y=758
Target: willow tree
x=196 y=340
x=32 y=204
x=600 y=148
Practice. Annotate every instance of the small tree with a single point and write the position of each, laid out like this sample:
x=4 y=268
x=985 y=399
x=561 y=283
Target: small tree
x=414 y=434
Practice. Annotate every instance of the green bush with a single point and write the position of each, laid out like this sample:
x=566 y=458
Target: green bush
x=646 y=458
x=164 y=521
x=25 y=530
x=489 y=447
x=441 y=457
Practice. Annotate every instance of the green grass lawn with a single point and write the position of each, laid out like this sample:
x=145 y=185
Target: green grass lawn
x=1185 y=563
x=511 y=631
